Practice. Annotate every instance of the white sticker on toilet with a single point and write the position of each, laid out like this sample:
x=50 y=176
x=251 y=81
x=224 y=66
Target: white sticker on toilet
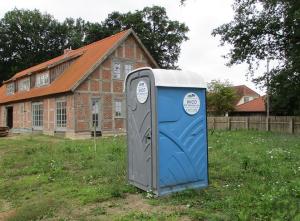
x=191 y=103
x=142 y=92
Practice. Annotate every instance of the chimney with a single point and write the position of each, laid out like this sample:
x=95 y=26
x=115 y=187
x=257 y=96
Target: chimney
x=67 y=50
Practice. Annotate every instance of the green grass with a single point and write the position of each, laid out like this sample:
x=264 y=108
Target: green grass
x=253 y=176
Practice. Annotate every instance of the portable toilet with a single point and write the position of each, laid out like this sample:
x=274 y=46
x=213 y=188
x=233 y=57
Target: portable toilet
x=166 y=130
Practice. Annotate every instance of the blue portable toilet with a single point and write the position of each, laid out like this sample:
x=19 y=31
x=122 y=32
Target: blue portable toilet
x=166 y=130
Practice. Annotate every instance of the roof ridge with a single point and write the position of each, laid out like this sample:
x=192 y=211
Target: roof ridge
x=71 y=53
x=99 y=41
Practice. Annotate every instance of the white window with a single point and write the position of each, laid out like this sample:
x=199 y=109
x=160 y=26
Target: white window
x=37 y=115
x=10 y=88
x=116 y=70
x=61 y=114
x=246 y=99
x=128 y=68
x=24 y=84
x=119 y=108
x=42 y=79
x=95 y=112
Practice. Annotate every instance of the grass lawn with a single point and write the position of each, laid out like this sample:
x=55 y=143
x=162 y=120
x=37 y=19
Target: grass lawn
x=253 y=176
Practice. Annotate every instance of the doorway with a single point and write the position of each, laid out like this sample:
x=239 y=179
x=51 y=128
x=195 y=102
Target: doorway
x=9 y=117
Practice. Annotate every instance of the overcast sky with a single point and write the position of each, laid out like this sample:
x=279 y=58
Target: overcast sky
x=201 y=53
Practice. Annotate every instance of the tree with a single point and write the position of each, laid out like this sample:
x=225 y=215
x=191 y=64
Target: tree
x=27 y=38
x=221 y=97
x=267 y=30
x=285 y=93
x=75 y=32
x=161 y=36
x=30 y=37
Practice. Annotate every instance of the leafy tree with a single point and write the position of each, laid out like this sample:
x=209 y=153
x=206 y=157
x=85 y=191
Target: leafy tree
x=161 y=36
x=285 y=93
x=268 y=29
x=75 y=32
x=221 y=97
x=27 y=38
x=30 y=37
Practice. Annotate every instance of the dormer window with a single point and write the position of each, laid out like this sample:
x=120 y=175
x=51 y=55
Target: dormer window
x=246 y=99
x=10 y=88
x=42 y=79
x=24 y=84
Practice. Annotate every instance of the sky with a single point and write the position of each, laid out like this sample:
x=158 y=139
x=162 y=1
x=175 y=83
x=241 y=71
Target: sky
x=201 y=53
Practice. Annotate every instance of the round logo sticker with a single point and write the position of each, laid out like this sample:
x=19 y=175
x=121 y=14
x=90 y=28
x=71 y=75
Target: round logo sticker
x=142 y=92
x=191 y=103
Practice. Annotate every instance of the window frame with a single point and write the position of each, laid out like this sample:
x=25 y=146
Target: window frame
x=122 y=108
x=247 y=98
x=60 y=123
x=21 y=84
x=131 y=69
x=113 y=70
x=39 y=117
x=43 y=82
x=123 y=64
x=10 y=88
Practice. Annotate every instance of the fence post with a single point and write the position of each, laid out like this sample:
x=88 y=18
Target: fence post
x=291 y=125
x=228 y=123
x=267 y=123
x=247 y=123
x=214 y=123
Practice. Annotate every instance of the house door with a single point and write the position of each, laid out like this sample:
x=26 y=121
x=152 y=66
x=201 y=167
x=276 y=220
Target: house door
x=139 y=131
x=9 y=117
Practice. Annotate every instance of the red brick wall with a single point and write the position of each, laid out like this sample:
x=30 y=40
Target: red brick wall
x=101 y=85
x=2 y=117
x=49 y=114
x=22 y=114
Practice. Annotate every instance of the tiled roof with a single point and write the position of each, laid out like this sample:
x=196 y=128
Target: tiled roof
x=243 y=90
x=255 y=105
x=90 y=56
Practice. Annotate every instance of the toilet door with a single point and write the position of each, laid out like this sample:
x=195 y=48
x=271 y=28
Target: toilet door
x=139 y=130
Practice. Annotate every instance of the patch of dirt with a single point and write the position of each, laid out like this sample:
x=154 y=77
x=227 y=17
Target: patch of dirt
x=135 y=202
x=5 y=210
x=120 y=207
x=7 y=214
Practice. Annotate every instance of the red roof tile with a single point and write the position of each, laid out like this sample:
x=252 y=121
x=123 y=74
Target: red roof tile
x=89 y=56
x=243 y=90
x=255 y=105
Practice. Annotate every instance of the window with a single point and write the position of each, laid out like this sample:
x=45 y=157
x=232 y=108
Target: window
x=95 y=112
x=10 y=88
x=42 y=79
x=61 y=114
x=37 y=115
x=116 y=70
x=119 y=108
x=246 y=99
x=24 y=84
x=127 y=68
